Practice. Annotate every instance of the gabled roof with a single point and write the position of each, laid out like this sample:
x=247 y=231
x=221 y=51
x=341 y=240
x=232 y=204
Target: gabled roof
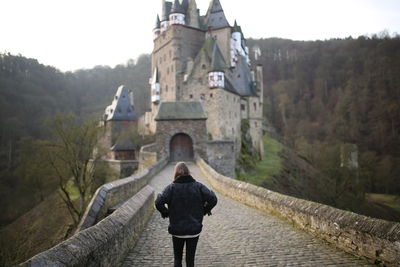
x=180 y=111
x=215 y=17
x=177 y=8
x=121 y=108
x=166 y=10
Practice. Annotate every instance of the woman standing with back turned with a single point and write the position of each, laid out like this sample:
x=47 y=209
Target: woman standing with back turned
x=187 y=202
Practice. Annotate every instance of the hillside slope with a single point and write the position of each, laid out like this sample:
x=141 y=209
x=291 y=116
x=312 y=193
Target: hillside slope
x=44 y=226
x=284 y=171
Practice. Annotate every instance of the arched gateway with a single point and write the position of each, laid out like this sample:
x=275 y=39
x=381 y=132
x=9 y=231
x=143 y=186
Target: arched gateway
x=181 y=148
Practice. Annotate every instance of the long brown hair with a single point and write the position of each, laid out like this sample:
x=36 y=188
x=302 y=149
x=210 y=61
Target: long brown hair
x=181 y=170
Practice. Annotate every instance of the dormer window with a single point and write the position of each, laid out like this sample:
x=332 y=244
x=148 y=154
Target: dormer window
x=219 y=77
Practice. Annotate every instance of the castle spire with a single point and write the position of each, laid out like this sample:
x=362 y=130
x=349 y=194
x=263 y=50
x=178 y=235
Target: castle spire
x=215 y=17
x=193 y=14
x=177 y=8
x=217 y=60
x=158 y=23
x=177 y=16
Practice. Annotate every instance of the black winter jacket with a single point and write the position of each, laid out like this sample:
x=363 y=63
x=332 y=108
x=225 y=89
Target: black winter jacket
x=187 y=202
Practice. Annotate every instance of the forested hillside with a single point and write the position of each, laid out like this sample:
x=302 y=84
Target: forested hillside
x=323 y=96
x=31 y=93
x=320 y=96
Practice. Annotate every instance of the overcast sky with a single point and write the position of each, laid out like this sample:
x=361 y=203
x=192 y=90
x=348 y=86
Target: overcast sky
x=74 y=34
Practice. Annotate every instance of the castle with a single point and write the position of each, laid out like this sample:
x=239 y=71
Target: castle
x=203 y=88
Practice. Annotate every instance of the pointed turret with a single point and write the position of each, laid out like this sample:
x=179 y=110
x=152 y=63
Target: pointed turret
x=217 y=60
x=215 y=17
x=177 y=16
x=185 y=5
x=157 y=28
x=166 y=11
x=158 y=23
x=193 y=14
x=177 y=8
x=216 y=76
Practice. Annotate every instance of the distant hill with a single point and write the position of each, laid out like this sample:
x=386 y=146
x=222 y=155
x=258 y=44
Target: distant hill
x=31 y=92
x=323 y=95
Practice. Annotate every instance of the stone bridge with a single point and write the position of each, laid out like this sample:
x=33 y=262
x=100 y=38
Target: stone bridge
x=250 y=226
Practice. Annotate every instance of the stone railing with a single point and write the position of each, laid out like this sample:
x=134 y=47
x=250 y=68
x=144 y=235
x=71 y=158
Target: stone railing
x=375 y=239
x=106 y=243
x=147 y=156
x=109 y=195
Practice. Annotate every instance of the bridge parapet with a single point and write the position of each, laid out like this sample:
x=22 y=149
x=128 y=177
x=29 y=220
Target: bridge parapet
x=107 y=242
x=111 y=194
x=376 y=239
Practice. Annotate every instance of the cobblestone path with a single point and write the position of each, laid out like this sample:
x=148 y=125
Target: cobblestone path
x=236 y=235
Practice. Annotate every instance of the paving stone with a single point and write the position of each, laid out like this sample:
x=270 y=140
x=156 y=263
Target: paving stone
x=236 y=235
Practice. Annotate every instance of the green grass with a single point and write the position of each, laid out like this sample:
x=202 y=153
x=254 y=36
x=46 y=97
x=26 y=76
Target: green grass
x=270 y=165
x=385 y=199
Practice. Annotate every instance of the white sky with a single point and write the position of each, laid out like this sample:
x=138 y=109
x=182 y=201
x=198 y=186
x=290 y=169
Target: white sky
x=74 y=34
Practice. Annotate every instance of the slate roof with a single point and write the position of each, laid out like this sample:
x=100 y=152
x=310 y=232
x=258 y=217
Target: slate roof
x=123 y=145
x=215 y=17
x=177 y=8
x=242 y=80
x=180 y=111
x=185 y=5
x=158 y=23
x=166 y=10
x=217 y=60
x=121 y=108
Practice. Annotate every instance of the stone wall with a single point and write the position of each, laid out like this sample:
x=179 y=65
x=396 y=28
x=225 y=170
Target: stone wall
x=196 y=129
x=375 y=239
x=147 y=156
x=105 y=244
x=221 y=157
x=111 y=194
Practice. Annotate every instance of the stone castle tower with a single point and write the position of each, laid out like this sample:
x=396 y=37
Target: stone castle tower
x=204 y=59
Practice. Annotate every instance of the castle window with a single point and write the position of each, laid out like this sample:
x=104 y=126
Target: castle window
x=191 y=96
x=219 y=77
x=167 y=70
x=116 y=97
x=255 y=106
x=166 y=88
x=238 y=75
x=211 y=95
x=203 y=66
x=242 y=107
x=202 y=97
x=211 y=78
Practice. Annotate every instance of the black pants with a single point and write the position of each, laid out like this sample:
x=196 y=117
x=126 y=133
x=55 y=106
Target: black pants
x=191 y=244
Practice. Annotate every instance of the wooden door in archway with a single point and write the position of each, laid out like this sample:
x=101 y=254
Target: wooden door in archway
x=181 y=148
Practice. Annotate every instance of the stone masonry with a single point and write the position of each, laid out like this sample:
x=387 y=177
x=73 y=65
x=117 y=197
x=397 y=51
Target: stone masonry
x=236 y=235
